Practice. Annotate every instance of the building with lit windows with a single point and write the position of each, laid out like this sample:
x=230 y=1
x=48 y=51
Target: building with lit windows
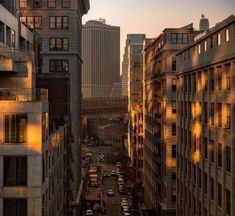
x=59 y=24
x=205 y=123
x=31 y=156
x=135 y=104
x=160 y=118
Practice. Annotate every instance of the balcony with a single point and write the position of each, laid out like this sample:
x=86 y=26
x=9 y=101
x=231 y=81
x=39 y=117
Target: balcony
x=24 y=95
x=12 y=60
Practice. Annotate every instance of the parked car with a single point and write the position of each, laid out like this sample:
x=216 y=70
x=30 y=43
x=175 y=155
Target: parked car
x=113 y=173
x=110 y=192
x=89 y=212
x=126 y=214
x=106 y=174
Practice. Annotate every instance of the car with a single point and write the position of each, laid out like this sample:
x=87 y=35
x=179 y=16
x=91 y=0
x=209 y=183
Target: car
x=101 y=155
x=106 y=174
x=126 y=214
x=113 y=173
x=118 y=164
x=110 y=192
x=89 y=212
x=123 y=199
x=124 y=204
x=120 y=180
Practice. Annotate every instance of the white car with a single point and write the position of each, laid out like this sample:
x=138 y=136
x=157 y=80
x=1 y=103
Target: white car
x=89 y=212
x=126 y=214
x=110 y=192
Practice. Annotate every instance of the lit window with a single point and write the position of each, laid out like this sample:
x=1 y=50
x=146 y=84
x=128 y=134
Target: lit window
x=15 y=128
x=219 y=39
x=227 y=35
x=205 y=45
x=199 y=48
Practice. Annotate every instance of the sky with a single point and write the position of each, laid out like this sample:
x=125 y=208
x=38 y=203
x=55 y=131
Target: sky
x=151 y=17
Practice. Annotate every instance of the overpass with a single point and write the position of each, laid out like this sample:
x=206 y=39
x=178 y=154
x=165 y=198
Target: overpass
x=104 y=105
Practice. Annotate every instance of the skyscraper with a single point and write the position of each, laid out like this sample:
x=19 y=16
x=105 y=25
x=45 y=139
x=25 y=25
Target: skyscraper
x=101 y=58
x=131 y=38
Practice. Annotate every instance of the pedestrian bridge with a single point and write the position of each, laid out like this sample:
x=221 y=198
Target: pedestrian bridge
x=104 y=105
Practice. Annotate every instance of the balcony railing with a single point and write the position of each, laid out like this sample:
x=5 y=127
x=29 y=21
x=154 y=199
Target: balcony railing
x=7 y=52
x=23 y=95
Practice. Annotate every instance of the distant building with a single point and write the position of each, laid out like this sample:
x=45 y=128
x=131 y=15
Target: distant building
x=160 y=118
x=206 y=123
x=101 y=58
x=131 y=38
x=135 y=104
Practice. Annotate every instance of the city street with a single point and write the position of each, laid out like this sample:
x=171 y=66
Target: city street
x=113 y=207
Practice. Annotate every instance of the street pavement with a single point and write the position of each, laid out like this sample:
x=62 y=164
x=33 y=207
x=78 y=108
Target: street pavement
x=113 y=207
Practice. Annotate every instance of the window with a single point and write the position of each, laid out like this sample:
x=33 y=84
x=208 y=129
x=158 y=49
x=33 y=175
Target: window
x=23 y=4
x=211 y=42
x=219 y=115
x=173 y=196
x=205 y=147
x=65 y=3
x=173 y=85
x=218 y=39
x=205 y=79
x=212 y=114
x=37 y=3
x=51 y=3
x=205 y=113
x=212 y=151
x=173 y=129
x=228 y=85
x=59 y=22
x=228 y=117
x=220 y=157
x=228 y=159
x=205 y=183
x=59 y=44
x=59 y=65
x=228 y=201
x=173 y=64
x=173 y=107
x=199 y=178
x=13 y=38
x=212 y=188
x=173 y=151
x=179 y=38
x=15 y=207
x=219 y=195
x=199 y=48
x=15 y=171
x=212 y=79
x=15 y=128
x=32 y=22
x=227 y=35
x=205 y=46
x=219 y=78
x=173 y=176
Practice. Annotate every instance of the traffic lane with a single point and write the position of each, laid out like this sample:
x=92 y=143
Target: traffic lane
x=112 y=202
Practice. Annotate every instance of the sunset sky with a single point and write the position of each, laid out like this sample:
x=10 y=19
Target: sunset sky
x=152 y=16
